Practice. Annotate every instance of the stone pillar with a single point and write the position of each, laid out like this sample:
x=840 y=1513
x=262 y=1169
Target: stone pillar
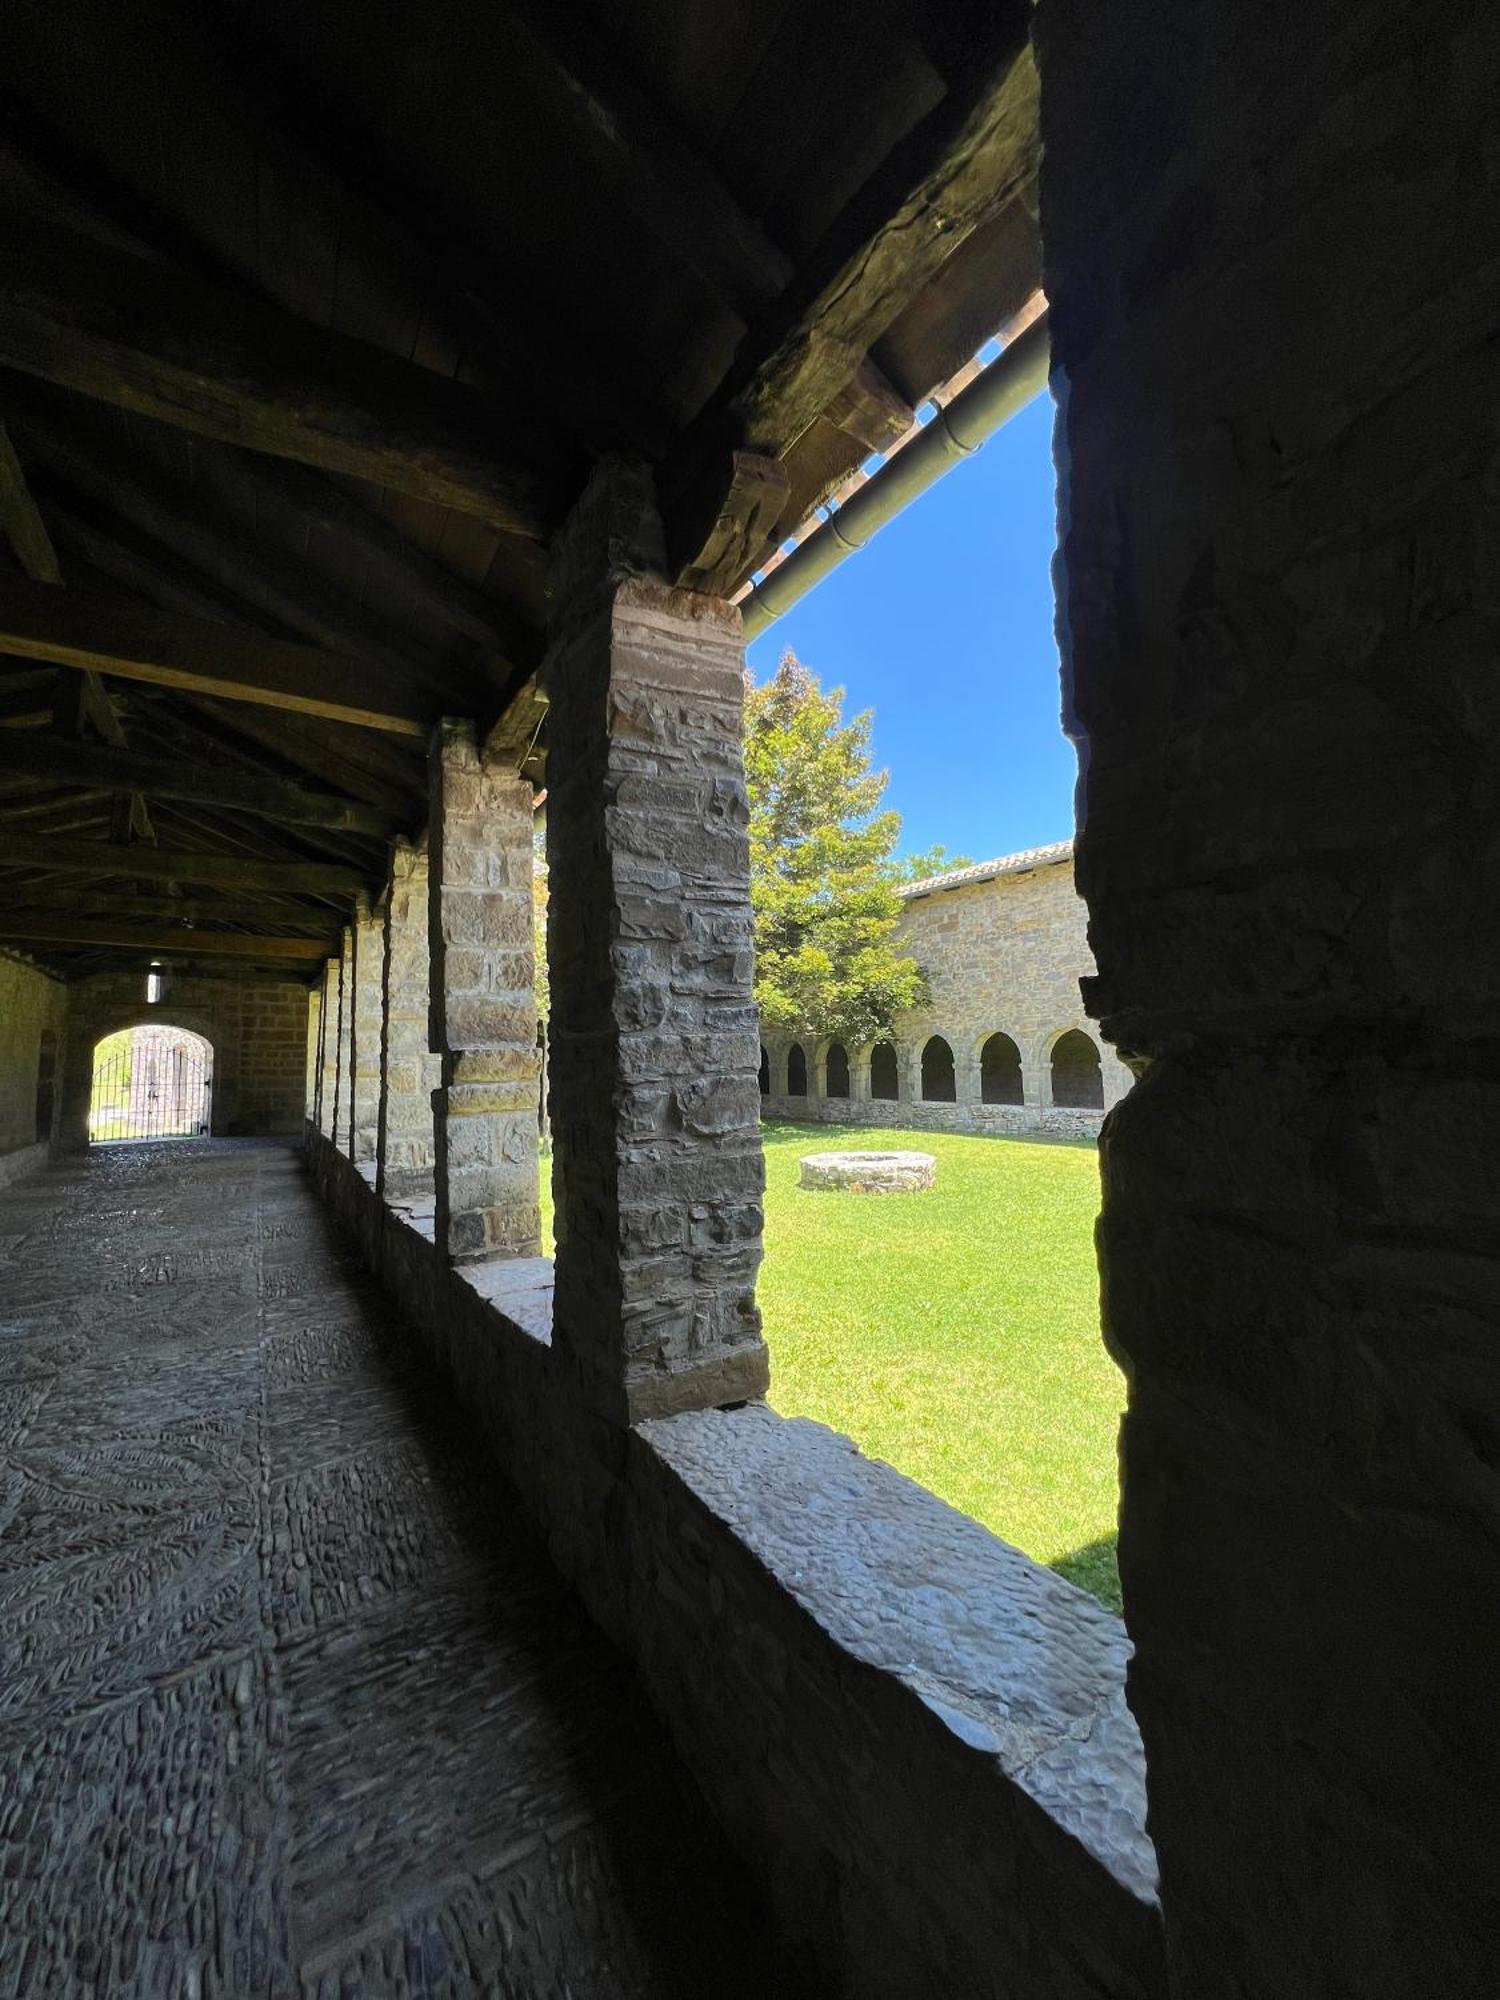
x=1271 y=248
x=409 y=1072
x=654 y=1027
x=859 y=1076
x=344 y=1046
x=314 y=1053
x=369 y=982
x=329 y=1047
x=483 y=1002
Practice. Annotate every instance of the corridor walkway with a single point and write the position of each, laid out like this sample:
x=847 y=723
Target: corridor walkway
x=290 y=1703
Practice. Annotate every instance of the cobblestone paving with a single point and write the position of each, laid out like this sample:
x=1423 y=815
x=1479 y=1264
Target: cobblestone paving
x=290 y=1704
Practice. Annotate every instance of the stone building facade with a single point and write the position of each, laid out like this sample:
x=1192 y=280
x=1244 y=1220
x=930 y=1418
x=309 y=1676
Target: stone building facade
x=1003 y=1044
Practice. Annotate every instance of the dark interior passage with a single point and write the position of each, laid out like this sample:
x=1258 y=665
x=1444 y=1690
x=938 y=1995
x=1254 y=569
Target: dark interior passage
x=288 y=1691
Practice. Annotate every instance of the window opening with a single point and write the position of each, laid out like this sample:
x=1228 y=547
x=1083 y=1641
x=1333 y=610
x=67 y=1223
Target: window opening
x=885 y=1075
x=1000 y=1072
x=765 y=1071
x=796 y=1071
x=46 y=1082
x=837 y=1071
x=1077 y=1080
x=939 y=1078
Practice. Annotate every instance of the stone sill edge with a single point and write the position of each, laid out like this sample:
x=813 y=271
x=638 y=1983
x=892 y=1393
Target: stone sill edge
x=1017 y=1665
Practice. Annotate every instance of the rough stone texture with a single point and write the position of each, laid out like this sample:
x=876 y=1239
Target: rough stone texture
x=869 y=1173
x=409 y=1071
x=369 y=996
x=1272 y=244
x=483 y=1000
x=314 y=1051
x=653 y=1050
x=32 y=1005
x=257 y=1029
x=916 y=1736
x=1004 y=946
x=291 y=1702
x=343 y=1081
x=328 y=1046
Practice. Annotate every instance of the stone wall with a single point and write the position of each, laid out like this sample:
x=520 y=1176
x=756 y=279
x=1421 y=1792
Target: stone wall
x=31 y=1005
x=1005 y=947
x=1272 y=236
x=258 y=1029
x=916 y=1737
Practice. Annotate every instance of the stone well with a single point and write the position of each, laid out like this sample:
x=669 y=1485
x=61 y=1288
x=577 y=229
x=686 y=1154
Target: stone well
x=869 y=1173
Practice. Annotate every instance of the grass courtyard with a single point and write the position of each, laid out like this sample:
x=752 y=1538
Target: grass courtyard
x=954 y=1333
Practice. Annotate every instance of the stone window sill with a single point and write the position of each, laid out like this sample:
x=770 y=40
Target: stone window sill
x=1020 y=1665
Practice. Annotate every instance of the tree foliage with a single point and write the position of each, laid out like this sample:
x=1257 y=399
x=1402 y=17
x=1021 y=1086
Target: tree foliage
x=933 y=861
x=821 y=879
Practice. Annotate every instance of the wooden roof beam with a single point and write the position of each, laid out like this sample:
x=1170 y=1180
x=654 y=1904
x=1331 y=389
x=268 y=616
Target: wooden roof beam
x=157 y=864
x=96 y=634
x=237 y=790
x=107 y=904
x=32 y=929
x=126 y=332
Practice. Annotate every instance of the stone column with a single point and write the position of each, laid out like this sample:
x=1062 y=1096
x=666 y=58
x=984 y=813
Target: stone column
x=1275 y=330
x=314 y=1053
x=328 y=1047
x=369 y=981
x=859 y=1076
x=654 y=1027
x=344 y=1046
x=483 y=1002
x=409 y=1072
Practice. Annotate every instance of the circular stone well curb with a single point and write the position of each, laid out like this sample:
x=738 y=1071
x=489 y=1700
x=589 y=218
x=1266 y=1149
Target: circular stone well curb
x=869 y=1173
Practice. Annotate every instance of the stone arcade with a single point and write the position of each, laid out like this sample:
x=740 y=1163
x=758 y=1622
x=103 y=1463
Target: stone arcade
x=391 y=417
x=1005 y=948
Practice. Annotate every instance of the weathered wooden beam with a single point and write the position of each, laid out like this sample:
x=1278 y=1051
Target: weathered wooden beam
x=21 y=520
x=107 y=904
x=34 y=929
x=728 y=526
x=111 y=326
x=157 y=864
x=70 y=461
x=115 y=636
x=249 y=791
x=955 y=169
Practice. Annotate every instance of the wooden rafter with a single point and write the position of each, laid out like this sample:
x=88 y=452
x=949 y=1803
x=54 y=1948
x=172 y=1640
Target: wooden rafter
x=101 y=322
x=210 y=871
x=242 y=790
x=116 y=636
x=49 y=930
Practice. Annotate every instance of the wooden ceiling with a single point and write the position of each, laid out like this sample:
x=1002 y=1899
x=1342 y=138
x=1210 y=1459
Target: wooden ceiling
x=313 y=320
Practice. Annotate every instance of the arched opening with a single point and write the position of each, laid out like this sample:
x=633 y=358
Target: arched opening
x=836 y=1071
x=1000 y=1072
x=765 y=1071
x=151 y=1082
x=885 y=1073
x=796 y=1071
x=1077 y=1080
x=939 y=1079
x=46 y=1083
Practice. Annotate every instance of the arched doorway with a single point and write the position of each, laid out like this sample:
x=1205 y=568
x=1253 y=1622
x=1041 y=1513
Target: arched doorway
x=796 y=1071
x=885 y=1082
x=1000 y=1072
x=151 y=1082
x=1077 y=1080
x=836 y=1070
x=939 y=1078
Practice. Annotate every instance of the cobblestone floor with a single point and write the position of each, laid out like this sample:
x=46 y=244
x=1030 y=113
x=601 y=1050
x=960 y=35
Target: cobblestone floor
x=289 y=1701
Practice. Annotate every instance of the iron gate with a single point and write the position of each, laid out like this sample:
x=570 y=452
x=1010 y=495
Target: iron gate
x=152 y=1087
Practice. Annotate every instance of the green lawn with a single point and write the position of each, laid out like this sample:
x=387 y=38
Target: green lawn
x=955 y=1333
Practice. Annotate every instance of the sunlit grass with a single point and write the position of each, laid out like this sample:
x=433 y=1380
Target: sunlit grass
x=955 y=1333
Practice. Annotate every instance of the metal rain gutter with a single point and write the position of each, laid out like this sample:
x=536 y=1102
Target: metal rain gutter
x=1013 y=379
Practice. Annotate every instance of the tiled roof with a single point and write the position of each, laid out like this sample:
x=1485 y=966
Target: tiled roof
x=986 y=871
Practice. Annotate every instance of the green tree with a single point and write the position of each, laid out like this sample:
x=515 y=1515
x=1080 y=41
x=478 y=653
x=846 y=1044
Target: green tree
x=934 y=861
x=825 y=903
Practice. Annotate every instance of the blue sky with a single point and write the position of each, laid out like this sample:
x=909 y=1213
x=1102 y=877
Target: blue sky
x=943 y=626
